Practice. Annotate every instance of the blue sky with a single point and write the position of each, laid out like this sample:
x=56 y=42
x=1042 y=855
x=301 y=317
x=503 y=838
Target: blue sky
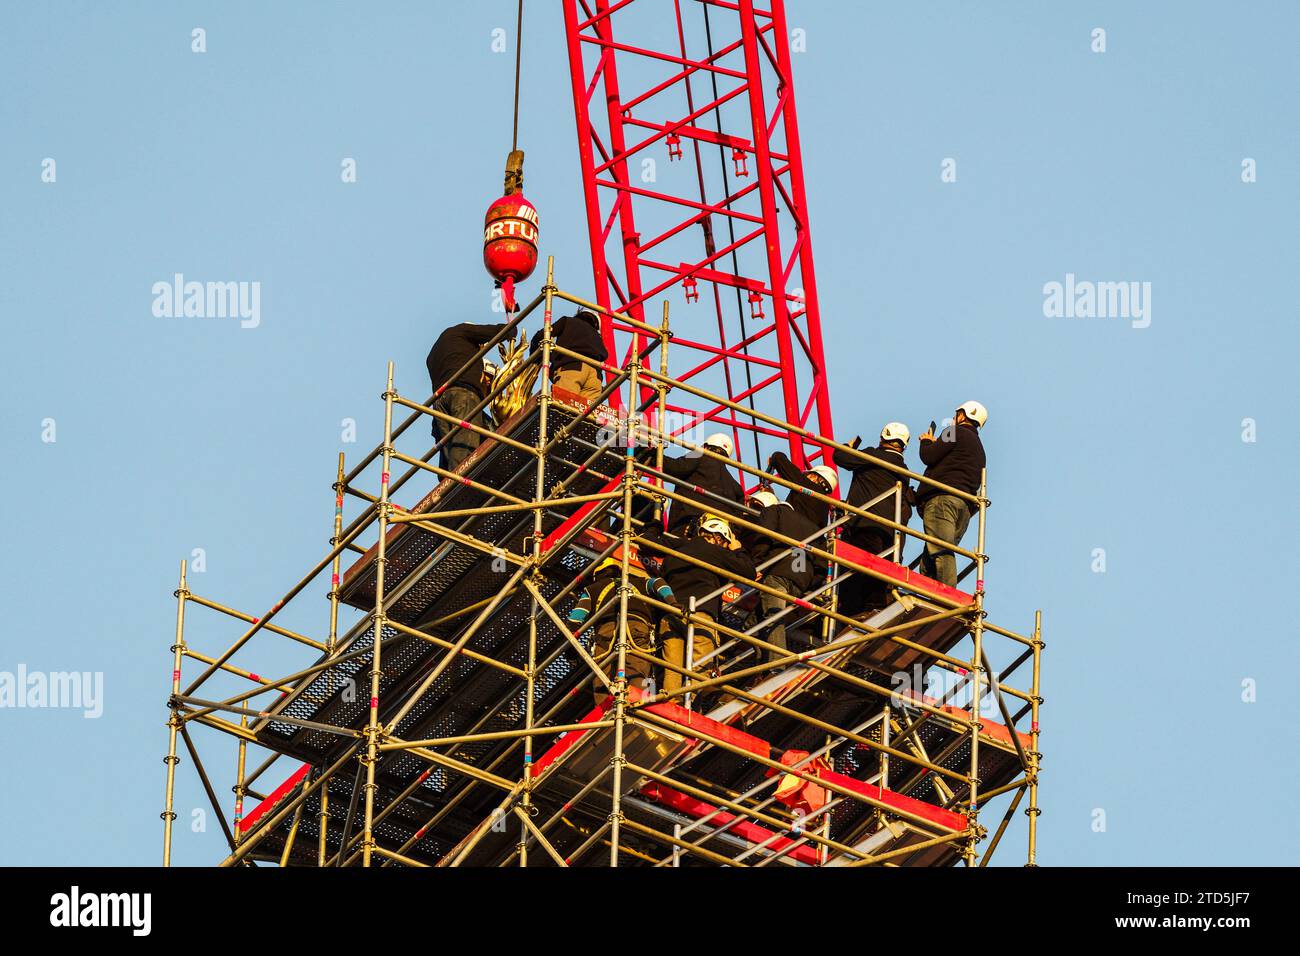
x=177 y=434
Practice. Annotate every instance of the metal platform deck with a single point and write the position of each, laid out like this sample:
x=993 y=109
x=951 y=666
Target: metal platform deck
x=430 y=576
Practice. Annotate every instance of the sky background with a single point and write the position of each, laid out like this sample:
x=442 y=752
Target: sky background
x=182 y=434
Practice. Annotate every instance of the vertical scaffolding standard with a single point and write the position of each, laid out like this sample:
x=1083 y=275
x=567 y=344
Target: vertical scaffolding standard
x=459 y=698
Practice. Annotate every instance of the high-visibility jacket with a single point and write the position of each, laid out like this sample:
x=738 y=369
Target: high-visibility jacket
x=604 y=588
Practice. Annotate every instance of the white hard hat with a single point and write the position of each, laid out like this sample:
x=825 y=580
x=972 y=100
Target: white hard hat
x=828 y=474
x=716 y=525
x=764 y=498
x=896 y=431
x=489 y=368
x=721 y=440
x=975 y=412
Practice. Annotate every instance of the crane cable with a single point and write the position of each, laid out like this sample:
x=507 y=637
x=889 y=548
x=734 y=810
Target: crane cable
x=519 y=49
x=514 y=180
x=731 y=231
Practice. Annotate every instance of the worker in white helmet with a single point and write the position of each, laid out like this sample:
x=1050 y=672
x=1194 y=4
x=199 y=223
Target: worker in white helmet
x=860 y=592
x=822 y=479
x=706 y=481
x=795 y=571
x=758 y=499
x=715 y=545
x=956 y=458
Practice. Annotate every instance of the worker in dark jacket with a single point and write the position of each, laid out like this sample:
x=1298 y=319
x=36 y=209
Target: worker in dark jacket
x=458 y=390
x=603 y=591
x=716 y=546
x=861 y=592
x=955 y=458
x=692 y=473
x=797 y=571
x=821 y=479
x=758 y=499
x=578 y=333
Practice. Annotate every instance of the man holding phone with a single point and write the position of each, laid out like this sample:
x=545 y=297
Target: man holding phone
x=955 y=458
x=860 y=592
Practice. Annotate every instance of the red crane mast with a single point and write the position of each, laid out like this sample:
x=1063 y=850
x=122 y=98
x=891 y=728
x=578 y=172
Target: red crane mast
x=733 y=236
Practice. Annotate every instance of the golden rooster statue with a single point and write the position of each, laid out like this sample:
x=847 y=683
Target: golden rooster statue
x=513 y=355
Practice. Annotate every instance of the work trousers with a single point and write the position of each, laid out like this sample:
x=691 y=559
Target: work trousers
x=638 y=669
x=773 y=604
x=862 y=592
x=458 y=402
x=583 y=380
x=946 y=517
x=704 y=641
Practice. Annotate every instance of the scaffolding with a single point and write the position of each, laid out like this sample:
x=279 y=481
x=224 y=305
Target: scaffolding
x=462 y=719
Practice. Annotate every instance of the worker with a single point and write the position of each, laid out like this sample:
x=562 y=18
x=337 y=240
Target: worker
x=578 y=333
x=822 y=479
x=716 y=546
x=694 y=473
x=955 y=458
x=861 y=592
x=758 y=499
x=462 y=387
x=603 y=592
x=796 y=571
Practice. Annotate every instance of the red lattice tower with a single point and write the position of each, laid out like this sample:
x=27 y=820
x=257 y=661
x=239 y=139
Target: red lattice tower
x=693 y=181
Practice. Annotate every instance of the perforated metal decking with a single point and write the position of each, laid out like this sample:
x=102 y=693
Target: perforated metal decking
x=428 y=577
